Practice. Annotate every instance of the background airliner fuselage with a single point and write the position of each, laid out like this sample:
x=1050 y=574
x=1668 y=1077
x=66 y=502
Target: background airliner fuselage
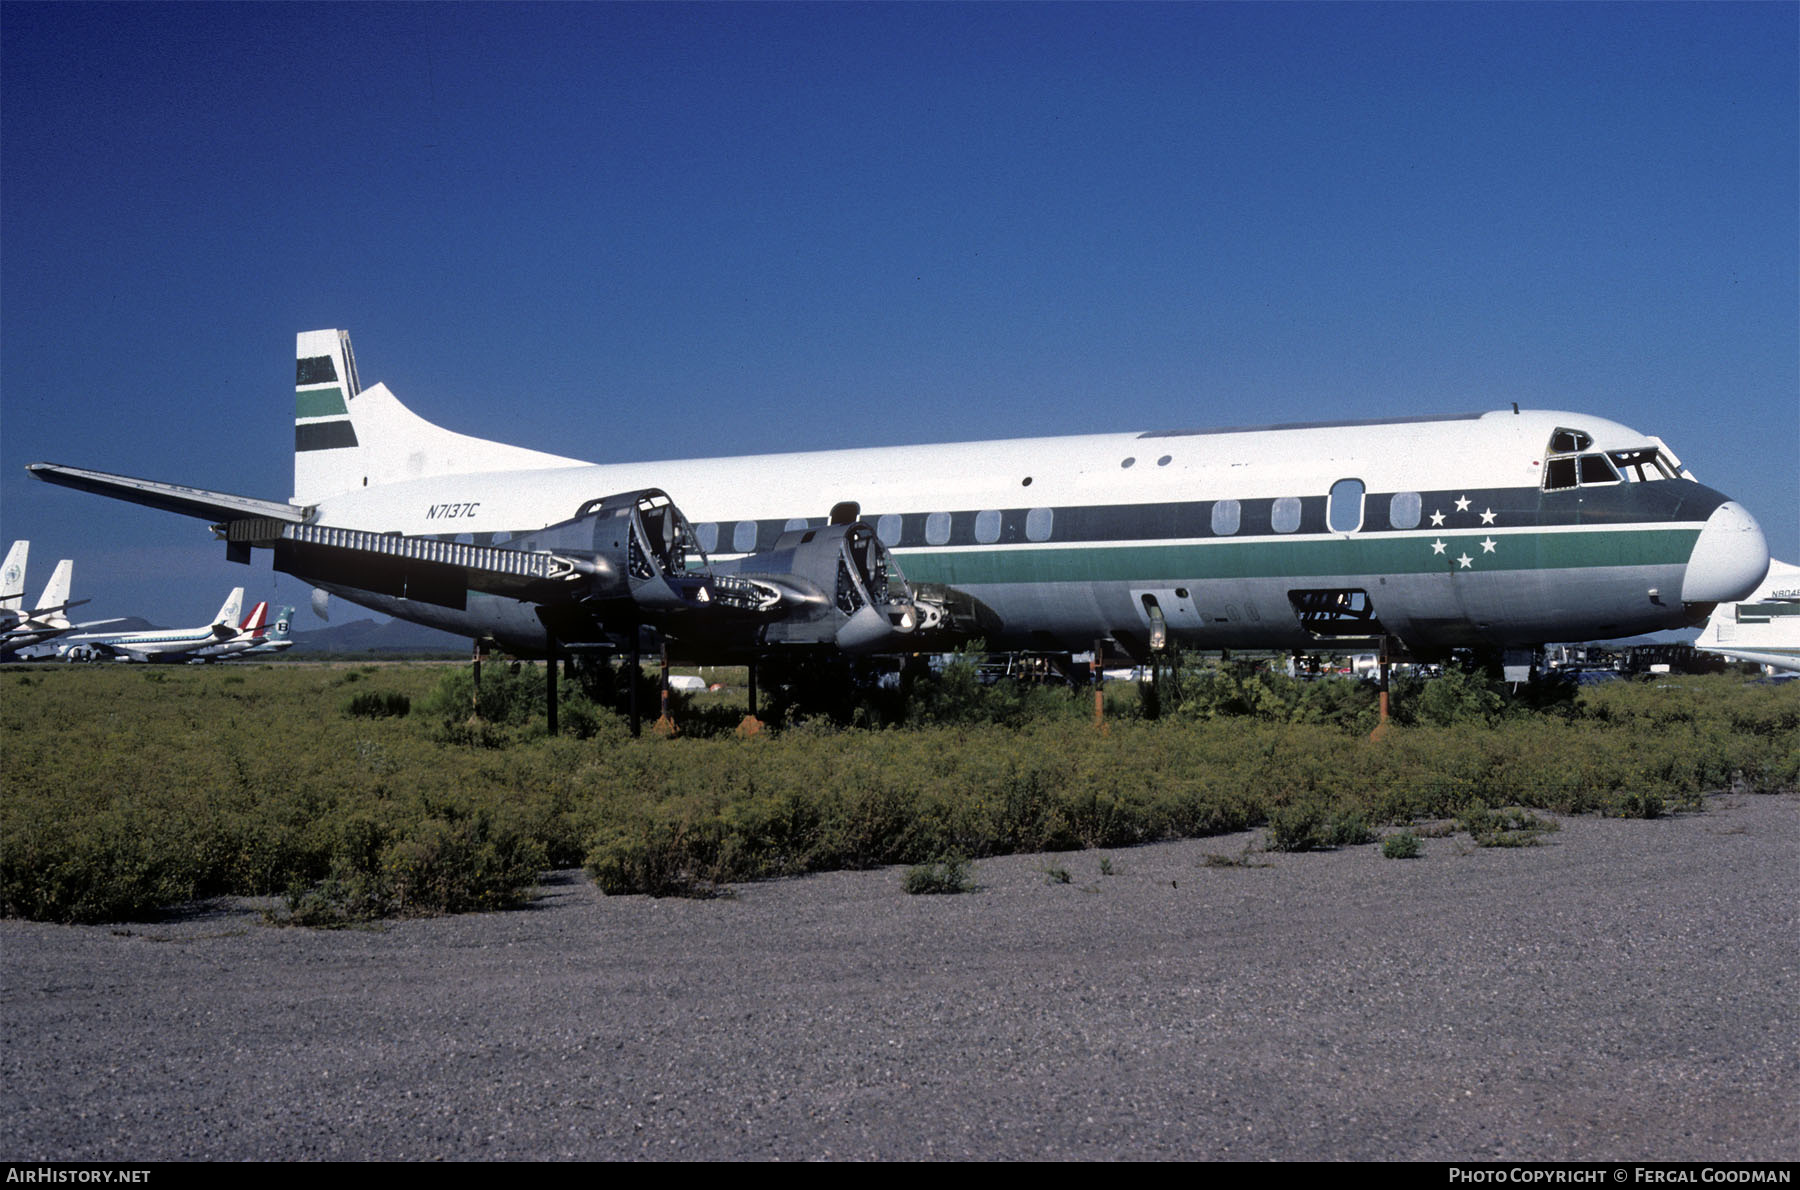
x=156 y=644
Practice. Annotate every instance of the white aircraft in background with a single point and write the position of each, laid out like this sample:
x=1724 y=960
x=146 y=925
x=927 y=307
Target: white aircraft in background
x=255 y=637
x=21 y=628
x=155 y=644
x=1498 y=530
x=1763 y=629
x=12 y=579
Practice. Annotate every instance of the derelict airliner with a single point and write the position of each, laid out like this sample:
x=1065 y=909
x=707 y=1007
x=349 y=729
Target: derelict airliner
x=1499 y=530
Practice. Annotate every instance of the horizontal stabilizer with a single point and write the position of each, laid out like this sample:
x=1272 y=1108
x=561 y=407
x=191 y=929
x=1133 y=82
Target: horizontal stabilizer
x=170 y=497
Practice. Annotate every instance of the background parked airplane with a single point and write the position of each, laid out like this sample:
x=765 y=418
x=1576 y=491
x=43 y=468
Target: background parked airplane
x=255 y=637
x=21 y=627
x=1498 y=530
x=155 y=644
x=1765 y=628
x=12 y=578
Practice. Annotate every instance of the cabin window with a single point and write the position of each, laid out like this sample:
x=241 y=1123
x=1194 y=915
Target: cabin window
x=1567 y=442
x=1284 y=516
x=1226 y=515
x=1126 y=462
x=708 y=536
x=987 y=527
x=794 y=523
x=937 y=528
x=1038 y=523
x=1403 y=510
x=743 y=538
x=1344 y=511
x=887 y=529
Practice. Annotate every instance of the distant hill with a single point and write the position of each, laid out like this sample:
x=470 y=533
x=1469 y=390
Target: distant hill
x=366 y=636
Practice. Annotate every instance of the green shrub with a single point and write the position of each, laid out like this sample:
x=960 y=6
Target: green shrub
x=1404 y=845
x=1511 y=826
x=370 y=705
x=1312 y=827
x=451 y=864
x=119 y=798
x=944 y=875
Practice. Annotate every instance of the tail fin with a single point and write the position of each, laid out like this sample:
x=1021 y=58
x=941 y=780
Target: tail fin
x=347 y=437
x=282 y=621
x=12 y=577
x=229 y=612
x=253 y=623
x=56 y=595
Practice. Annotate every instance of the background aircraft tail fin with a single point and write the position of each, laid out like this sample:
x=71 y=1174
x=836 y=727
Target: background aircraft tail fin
x=12 y=577
x=258 y=617
x=229 y=612
x=347 y=437
x=56 y=595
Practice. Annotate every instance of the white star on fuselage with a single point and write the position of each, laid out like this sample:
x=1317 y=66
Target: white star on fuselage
x=1487 y=547
x=1462 y=504
x=1437 y=547
x=1437 y=518
x=1487 y=516
x=1465 y=561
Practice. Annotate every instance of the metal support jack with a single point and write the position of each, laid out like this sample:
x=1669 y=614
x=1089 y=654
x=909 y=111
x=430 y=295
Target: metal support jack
x=751 y=724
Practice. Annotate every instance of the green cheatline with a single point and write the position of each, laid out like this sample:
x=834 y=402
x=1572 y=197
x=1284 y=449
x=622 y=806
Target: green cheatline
x=1293 y=559
x=319 y=402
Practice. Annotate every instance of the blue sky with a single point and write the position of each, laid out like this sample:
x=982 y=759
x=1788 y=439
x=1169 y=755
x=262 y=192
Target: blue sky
x=621 y=232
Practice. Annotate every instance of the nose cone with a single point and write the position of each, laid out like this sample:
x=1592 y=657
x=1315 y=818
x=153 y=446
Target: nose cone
x=1729 y=560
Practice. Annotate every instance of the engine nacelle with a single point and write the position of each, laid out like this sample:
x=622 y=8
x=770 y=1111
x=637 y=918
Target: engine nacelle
x=839 y=586
x=634 y=547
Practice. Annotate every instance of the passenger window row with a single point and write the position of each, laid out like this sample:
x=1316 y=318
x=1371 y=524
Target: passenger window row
x=1343 y=511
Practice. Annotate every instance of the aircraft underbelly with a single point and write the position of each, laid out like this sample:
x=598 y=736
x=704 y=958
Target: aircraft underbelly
x=513 y=625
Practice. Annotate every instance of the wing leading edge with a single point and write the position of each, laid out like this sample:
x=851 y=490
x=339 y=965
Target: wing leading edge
x=171 y=497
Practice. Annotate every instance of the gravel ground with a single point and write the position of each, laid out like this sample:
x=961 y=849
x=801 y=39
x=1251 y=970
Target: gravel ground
x=1628 y=990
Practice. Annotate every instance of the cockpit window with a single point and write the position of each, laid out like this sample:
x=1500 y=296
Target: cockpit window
x=1643 y=464
x=1559 y=473
x=1563 y=442
x=1590 y=470
x=1595 y=469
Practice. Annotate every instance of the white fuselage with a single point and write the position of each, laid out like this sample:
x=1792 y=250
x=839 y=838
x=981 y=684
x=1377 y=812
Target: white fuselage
x=1445 y=525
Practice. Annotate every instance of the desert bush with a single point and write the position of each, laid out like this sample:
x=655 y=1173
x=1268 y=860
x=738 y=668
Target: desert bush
x=1404 y=845
x=947 y=874
x=370 y=705
x=120 y=797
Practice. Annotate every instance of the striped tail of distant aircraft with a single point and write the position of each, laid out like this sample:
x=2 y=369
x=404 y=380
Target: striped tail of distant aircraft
x=1500 y=530
x=256 y=637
